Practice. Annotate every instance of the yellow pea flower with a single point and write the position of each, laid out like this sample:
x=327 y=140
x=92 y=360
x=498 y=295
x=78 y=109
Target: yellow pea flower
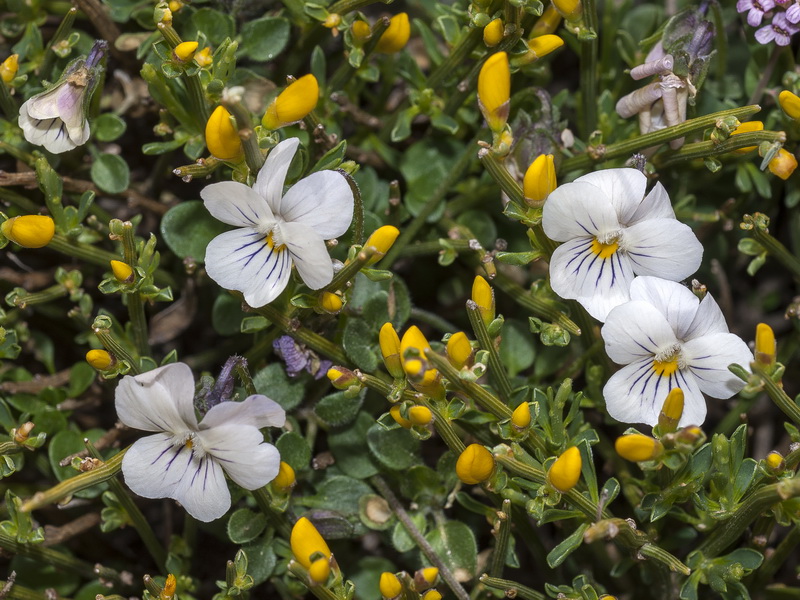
x=204 y=58
x=569 y=9
x=540 y=180
x=123 y=272
x=425 y=380
x=394 y=411
x=390 y=349
x=222 y=137
x=547 y=23
x=790 y=104
x=637 y=447
x=475 y=464
x=565 y=472
x=320 y=570
x=774 y=461
x=100 y=359
x=390 y=586
x=765 y=344
x=184 y=51
x=285 y=479
x=671 y=411
x=543 y=45
x=425 y=578
x=783 y=165
x=168 y=591
x=420 y=415
x=382 y=239
x=747 y=127
x=29 y=231
x=396 y=35
x=494 y=91
x=305 y=541
x=459 y=349
x=483 y=296
x=9 y=68
x=330 y=302
x=293 y=103
x=493 y=33
x=521 y=417
x=361 y=31
x=432 y=595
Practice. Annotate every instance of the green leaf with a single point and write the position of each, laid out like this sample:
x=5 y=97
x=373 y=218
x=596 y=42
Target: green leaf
x=265 y=38
x=423 y=165
x=216 y=25
x=245 y=525
x=403 y=542
x=395 y=449
x=517 y=351
x=348 y=448
x=273 y=382
x=188 y=228
x=108 y=127
x=294 y=450
x=81 y=376
x=227 y=315
x=560 y=553
x=336 y=410
x=111 y=173
x=357 y=342
x=455 y=544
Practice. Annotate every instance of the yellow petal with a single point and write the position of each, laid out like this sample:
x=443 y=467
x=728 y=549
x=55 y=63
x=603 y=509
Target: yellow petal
x=420 y=415
x=286 y=477
x=394 y=411
x=222 y=137
x=29 y=231
x=671 y=411
x=493 y=33
x=320 y=570
x=305 y=540
x=747 y=128
x=543 y=45
x=565 y=472
x=637 y=447
x=475 y=464
x=547 y=23
x=790 y=104
x=330 y=302
x=765 y=344
x=100 y=359
x=494 y=89
x=569 y=9
x=390 y=586
x=396 y=35
x=389 y=342
x=521 y=417
x=293 y=103
x=483 y=296
x=783 y=165
x=122 y=271
x=382 y=239
x=540 y=179
x=9 y=68
x=184 y=51
x=459 y=349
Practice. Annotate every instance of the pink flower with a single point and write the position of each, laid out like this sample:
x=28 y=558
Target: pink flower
x=780 y=31
x=757 y=9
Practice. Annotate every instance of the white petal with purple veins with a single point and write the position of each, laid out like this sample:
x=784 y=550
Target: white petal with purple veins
x=708 y=358
x=272 y=176
x=257 y=411
x=322 y=201
x=236 y=204
x=578 y=209
x=242 y=454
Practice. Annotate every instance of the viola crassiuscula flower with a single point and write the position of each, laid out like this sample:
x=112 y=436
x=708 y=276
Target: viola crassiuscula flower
x=668 y=338
x=780 y=31
x=275 y=230
x=56 y=118
x=755 y=10
x=186 y=460
x=612 y=231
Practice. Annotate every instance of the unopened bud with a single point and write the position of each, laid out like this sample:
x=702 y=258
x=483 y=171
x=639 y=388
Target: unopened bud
x=565 y=472
x=638 y=448
x=671 y=411
x=425 y=578
x=420 y=415
x=122 y=271
x=521 y=417
x=765 y=345
x=475 y=464
x=101 y=360
x=184 y=52
x=286 y=478
x=390 y=586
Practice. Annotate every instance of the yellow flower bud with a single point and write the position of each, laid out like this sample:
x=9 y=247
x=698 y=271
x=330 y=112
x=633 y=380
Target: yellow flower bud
x=361 y=31
x=382 y=239
x=493 y=33
x=783 y=165
x=431 y=595
x=790 y=104
x=394 y=411
x=543 y=45
x=332 y=20
x=459 y=349
x=765 y=344
x=29 y=231
x=521 y=417
x=569 y=9
x=423 y=379
x=747 y=127
x=390 y=585
x=166 y=16
x=425 y=578
x=547 y=23
x=483 y=296
x=184 y=51
x=293 y=103
x=175 y=5
x=320 y=570
x=390 y=349
x=100 y=359
x=168 y=591
x=204 y=58
x=637 y=447
x=9 y=68
x=330 y=302
x=671 y=411
x=565 y=472
x=342 y=378
x=475 y=465
x=420 y=415
x=494 y=90
x=396 y=35
x=540 y=180
x=774 y=461
x=222 y=137
x=123 y=272
x=305 y=541
x=285 y=478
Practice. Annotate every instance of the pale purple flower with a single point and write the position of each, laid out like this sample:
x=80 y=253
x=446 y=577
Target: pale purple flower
x=793 y=12
x=780 y=31
x=757 y=9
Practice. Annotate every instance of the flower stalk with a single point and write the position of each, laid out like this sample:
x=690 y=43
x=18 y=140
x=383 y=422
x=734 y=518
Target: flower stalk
x=502 y=539
x=712 y=148
x=252 y=153
x=777 y=395
x=776 y=249
x=135 y=301
x=511 y=589
x=496 y=367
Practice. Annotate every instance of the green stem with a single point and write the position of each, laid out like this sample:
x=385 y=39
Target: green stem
x=657 y=553
x=774 y=561
x=457 y=55
x=18 y=592
x=7 y=103
x=141 y=525
x=244 y=123
x=57 y=559
x=47 y=295
x=511 y=589
x=502 y=177
x=444 y=426
x=135 y=302
x=9 y=448
x=409 y=232
x=778 y=396
x=95 y=256
x=305 y=336
x=419 y=539
x=758 y=502
x=496 y=368
x=777 y=250
x=712 y=148
x=350 y=270
x=111 y=344
x=320 y=591
x=280 y=524
x=197 y=95
x=588 y=73
x=503 y=537
x=583 y=162
x=64 y=29
x=345 y=70
x=540 y=308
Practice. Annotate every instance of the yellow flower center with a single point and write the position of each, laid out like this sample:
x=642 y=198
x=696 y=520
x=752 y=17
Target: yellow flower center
x=604 y=250
x=665 y=368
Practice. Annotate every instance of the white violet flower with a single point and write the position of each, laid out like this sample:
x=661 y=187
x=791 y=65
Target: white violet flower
x=276 y=230
x=186 y=460
x=668 y=338
x=56 y=118
x=612 y=232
